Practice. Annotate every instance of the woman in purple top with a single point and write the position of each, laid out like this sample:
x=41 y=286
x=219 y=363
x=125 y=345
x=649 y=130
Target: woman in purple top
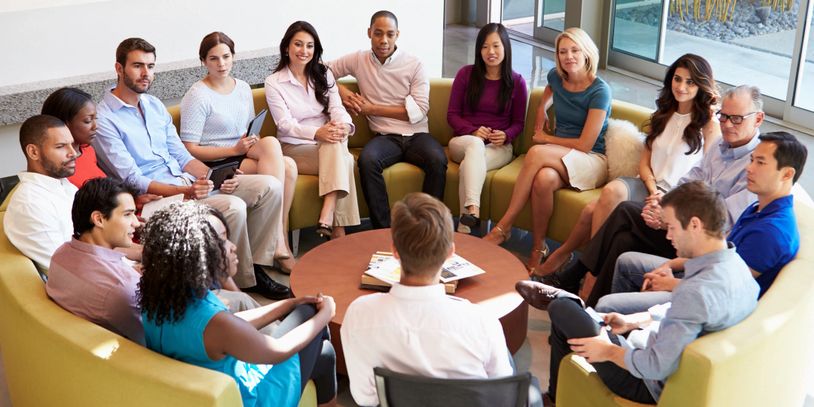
x=487 y=110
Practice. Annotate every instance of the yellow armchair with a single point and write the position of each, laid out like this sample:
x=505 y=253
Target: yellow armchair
x=54 y=358
x=763 y=361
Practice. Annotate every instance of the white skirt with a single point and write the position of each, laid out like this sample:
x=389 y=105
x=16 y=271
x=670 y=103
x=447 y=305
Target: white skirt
x=586 y=170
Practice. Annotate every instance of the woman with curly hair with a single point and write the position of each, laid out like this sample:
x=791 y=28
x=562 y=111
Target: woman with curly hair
x=184 y=257
x=313 y=126
x=681 y=129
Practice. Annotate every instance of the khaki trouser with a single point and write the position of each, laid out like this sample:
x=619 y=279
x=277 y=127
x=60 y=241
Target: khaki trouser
x=257 y=201
x=333 y=164
x=475 y=158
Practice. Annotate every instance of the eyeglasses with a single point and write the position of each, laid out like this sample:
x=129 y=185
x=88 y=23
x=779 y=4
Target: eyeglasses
x=734 y=118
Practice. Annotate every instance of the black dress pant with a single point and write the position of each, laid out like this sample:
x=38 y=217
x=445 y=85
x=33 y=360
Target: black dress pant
x=384 y=150
x=317 y=359
x=624 y=231
x=569 y=320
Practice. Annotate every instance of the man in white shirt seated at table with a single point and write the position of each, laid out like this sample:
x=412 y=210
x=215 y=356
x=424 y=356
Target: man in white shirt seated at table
x=416 y=328
x=38 y=218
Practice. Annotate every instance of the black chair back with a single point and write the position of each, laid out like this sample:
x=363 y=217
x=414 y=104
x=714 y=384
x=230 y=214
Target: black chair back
x=398 y=390
x=6 y=185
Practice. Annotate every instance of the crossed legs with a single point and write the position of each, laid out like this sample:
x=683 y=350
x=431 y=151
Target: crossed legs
x=543 y=173
x=266 y=157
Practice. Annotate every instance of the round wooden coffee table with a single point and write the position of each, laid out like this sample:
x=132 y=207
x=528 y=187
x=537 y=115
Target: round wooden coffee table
x=335 y=268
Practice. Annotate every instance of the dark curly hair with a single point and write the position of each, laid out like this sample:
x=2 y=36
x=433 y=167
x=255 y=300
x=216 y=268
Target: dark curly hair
x=183 y=258
x=316 y=72
x=666 y=104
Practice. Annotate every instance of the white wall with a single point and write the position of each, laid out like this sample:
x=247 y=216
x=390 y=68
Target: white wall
x=56 y=39
x=80 y=38
x=11 y=155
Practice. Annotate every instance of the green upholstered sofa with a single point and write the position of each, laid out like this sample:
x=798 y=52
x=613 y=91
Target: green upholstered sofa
x=54 y=358
x=763 y=361
x=403 y=178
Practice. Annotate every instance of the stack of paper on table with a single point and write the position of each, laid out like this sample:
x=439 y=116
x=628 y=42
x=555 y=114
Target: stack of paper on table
x=384 y=269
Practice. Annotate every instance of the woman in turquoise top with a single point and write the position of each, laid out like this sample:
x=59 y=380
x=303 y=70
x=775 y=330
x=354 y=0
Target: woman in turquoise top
x=573 y=154
x=183 y=258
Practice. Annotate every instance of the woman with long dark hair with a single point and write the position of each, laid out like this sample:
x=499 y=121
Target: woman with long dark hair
x=487 y=110
x=215 y=114
x=680 y=130
x=313 y=126
x=184 y=257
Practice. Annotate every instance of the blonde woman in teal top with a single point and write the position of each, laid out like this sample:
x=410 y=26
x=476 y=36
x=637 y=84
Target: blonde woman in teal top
x=186 y=253
x=570 y=155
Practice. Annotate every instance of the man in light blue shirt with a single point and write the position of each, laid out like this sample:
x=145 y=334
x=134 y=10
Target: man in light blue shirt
x=137 y=143
x=718 y=291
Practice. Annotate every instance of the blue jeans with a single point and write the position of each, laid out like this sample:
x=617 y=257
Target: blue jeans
x=384 y=150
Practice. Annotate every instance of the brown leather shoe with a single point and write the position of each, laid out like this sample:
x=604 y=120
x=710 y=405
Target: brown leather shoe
x=538 y=295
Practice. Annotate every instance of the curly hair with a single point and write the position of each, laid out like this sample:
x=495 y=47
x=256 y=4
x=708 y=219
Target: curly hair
x=183 y=258
x=666 y=103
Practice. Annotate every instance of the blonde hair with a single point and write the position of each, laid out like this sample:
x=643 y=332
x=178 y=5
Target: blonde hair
x=422 y=232
x=585 y=44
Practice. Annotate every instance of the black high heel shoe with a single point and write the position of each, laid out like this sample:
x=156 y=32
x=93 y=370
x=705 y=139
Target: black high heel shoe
x=324 y=231
x=470 y=220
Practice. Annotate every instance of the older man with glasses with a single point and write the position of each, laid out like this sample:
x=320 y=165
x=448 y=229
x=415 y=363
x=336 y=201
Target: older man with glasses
x=638 y=226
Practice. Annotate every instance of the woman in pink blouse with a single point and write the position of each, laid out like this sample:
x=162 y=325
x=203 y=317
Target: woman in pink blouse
x=313 y=126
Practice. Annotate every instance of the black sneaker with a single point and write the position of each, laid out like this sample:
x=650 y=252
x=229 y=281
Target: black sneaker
x=267 y=287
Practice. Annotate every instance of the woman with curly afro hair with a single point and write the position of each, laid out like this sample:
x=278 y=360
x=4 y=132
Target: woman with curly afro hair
x=184 y=257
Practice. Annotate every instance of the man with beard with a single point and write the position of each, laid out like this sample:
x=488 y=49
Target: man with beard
x=38 y=218
x=137 y=143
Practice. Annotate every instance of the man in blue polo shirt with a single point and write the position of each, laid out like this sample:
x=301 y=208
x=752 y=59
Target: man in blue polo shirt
x=765 y=235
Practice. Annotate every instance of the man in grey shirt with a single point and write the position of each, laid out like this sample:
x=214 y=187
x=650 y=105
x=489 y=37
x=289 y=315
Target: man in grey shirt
x=717 y=291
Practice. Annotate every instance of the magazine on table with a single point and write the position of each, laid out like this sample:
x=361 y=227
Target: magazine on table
x=387 y=268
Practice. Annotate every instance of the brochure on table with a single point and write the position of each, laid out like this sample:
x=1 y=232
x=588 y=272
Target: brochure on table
x=385 y=267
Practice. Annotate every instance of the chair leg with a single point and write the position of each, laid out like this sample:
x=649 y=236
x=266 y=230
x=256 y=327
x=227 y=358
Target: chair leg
x=295 y=241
